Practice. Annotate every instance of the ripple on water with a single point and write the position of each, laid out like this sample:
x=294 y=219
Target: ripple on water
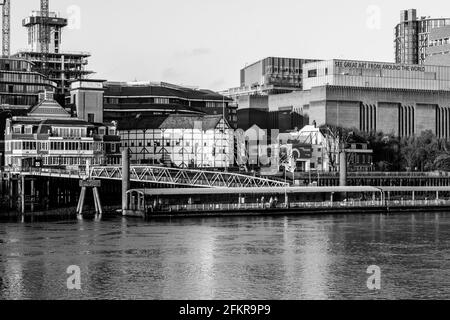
x=229 y=258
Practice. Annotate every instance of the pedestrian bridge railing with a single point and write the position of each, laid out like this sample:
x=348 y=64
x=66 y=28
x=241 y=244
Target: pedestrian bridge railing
x=185 y=177
x=157 y=175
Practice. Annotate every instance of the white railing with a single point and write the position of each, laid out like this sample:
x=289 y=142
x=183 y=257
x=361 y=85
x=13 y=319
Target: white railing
x=300 y=205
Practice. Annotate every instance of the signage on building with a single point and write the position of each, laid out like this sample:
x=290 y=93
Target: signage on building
x=301 y=150
x=87 y=85
x=377 y=66
x=90 y=183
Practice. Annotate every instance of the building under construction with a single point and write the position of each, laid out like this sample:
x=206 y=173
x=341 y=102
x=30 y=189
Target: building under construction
x=44 y=30
x=61 y=67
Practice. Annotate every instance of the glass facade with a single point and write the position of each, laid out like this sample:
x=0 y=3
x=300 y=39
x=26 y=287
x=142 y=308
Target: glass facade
x=19 y=85
x=412 y=37
x=279 y=73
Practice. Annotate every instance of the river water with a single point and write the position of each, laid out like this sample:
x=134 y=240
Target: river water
x=322 y=257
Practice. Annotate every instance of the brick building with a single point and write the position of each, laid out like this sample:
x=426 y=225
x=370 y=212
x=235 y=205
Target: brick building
x=370 y=96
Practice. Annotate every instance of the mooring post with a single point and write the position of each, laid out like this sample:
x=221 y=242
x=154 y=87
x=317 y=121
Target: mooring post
x=343 y=169
x=11 y=192
x=22 y=197
x=47 y=201
x=125 y=179
x=33 y=194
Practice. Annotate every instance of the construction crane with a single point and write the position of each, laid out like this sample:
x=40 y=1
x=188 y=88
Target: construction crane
x=44 y=36
x=6 y=23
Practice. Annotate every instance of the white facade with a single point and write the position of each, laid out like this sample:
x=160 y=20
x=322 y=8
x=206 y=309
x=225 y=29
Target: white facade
x=181 y=147
x=368 y=74
x=323 y=149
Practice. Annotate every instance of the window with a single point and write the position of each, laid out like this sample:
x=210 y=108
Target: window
x=161 y=100
x=312 y=73
x=91 y=117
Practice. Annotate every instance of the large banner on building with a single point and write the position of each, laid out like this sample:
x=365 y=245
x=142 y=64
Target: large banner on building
x=300 y=150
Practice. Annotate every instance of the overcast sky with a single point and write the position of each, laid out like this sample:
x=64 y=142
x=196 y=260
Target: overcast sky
x=206 y=42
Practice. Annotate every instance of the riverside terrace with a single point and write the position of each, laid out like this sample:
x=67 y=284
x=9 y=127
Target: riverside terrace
x=284 y=200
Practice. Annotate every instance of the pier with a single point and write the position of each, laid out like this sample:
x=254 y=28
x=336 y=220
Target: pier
x=290 y=200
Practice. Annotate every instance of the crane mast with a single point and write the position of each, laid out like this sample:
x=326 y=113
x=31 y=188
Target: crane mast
x=44 y=35
x=6 y=22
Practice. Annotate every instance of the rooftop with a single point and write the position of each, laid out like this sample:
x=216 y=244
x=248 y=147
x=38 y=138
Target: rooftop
x=173 y=121
x=161 y=90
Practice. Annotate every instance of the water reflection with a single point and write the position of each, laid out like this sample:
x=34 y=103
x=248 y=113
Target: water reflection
x=228 y=258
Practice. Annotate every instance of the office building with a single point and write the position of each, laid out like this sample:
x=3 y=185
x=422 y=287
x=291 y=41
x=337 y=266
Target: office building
x=370 y=96
x=259 y=82
x=423 y=40
x=159 y=99
x=271 y=75
x=20 y=84
x=19 y=91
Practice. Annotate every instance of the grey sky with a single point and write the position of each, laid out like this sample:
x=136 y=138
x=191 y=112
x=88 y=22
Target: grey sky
x=206 y=42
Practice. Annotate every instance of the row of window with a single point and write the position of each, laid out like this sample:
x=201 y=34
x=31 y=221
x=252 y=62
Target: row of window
x=59 y=146
x=148 y=100
x=15 y=65
x=439 y=42
x=21 y=77
x=214 y=151
x=18 y=99
x=21 y=88
x=159 y=143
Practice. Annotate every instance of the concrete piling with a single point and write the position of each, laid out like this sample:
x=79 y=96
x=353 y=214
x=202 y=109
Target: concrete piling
x=343 y=169
x=125 y=179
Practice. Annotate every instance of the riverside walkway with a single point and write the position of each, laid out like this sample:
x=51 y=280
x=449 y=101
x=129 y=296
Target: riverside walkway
x=222 y=201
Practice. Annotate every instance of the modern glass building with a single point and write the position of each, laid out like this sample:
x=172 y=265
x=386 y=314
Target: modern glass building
x=19 y=91
x=122 y=100
x=20 y=85
x=413 y=37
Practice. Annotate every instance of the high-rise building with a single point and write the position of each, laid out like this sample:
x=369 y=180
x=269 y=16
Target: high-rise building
x=63 y=67
x=423 y=40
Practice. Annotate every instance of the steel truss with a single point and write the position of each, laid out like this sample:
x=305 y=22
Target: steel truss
x=184 y=177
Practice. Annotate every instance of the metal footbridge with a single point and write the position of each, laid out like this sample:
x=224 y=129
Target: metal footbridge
x=161 y=175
